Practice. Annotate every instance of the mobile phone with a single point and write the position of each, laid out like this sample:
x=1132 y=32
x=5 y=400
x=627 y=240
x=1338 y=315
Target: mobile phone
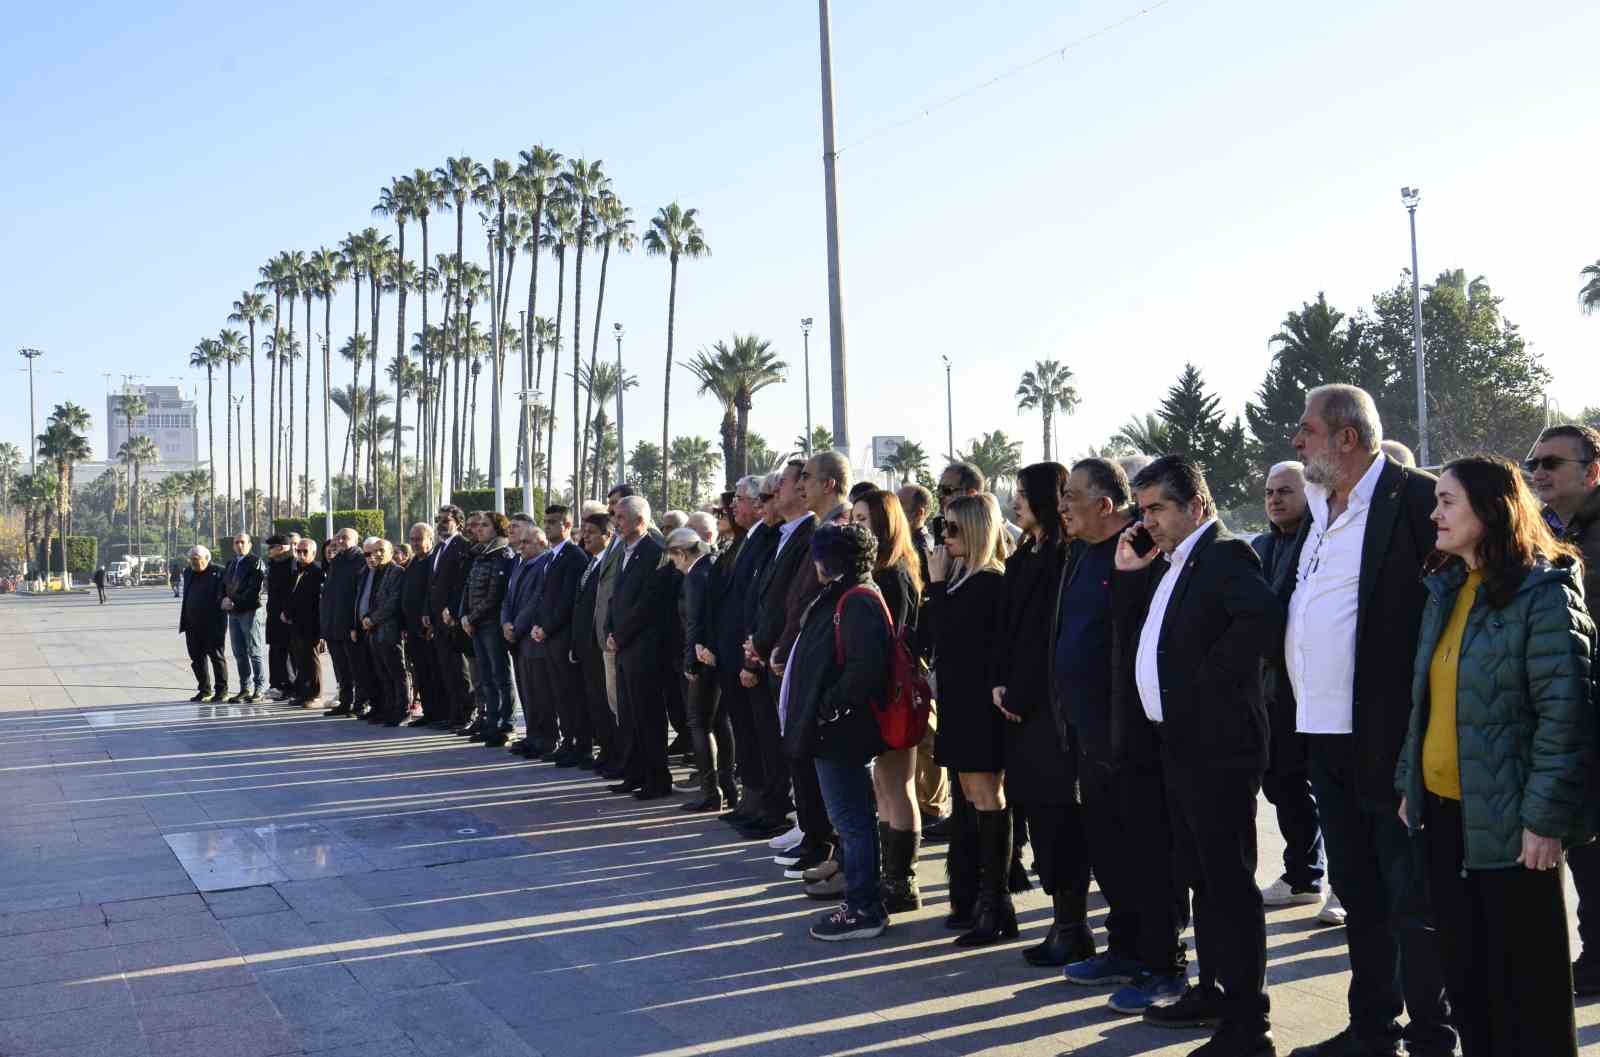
x=1143 y=542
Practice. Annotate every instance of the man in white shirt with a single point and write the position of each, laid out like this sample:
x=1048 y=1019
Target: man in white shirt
x=1354 y=608
x=1195 y=617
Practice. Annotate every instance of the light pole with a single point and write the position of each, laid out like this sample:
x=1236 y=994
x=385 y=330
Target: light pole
x=33 y=429
x=238 y=427
x=530 y=399
x=622 y=446
x=830 y=187
x=949 y=412
x=1410 y=196
x=805 y=335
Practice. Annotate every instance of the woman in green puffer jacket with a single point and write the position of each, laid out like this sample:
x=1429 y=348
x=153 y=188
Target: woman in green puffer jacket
x=1493 y=776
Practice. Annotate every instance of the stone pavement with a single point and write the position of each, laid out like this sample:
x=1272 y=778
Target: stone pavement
x=244 y=882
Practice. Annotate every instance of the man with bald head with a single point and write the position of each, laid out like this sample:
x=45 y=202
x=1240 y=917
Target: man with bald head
x=337 y=615
x=378 y=610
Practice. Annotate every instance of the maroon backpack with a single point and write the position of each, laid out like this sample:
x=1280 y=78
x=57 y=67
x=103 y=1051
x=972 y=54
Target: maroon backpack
x=903 y=714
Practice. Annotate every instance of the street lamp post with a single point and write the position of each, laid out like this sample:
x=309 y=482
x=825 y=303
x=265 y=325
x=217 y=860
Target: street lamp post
x=830 y=187
x=530 y=399
x=622 y=446
x=238 y=427
x=949 y=411
x=33 y=429
x=805 y=334
x=1410 y=196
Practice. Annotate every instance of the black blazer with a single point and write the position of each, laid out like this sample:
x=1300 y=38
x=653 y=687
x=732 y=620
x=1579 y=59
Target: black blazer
x=305 y=597
x=582 y=633
x=693 y=595
x=383 y=606
x=732 y=629
x=414 y=593
x=243 y=578
x=559 y=596
x=1390 y=597
x=1220 y=621
x=340 y=585
x=281 y=575
x=1040 y=769
x=638 y=609
x=449 y=576
x=202 y=614
x=772 y=587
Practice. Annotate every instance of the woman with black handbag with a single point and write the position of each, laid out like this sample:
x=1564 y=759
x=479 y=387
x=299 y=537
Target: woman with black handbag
x=837 y=669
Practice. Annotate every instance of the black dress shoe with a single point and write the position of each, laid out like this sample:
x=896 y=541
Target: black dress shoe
x=391 y=722
x=764 y=829
x=204 y=695
x=610 y=773
x=1346 y=1044
x=337 y=710
x=1229 y=1042
x=656 y=792
x=1198 y=1007
x=418 y=721
x=476 y=735
x=584 y=760
x=237 y=698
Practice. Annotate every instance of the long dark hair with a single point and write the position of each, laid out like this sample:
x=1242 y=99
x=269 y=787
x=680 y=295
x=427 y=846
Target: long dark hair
x=1041 y=484
x=1515 y=535
x=893 y=533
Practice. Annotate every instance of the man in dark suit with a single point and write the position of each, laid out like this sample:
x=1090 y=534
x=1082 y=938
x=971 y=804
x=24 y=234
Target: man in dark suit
x=420 y=656
x=790 y=559
x=553 y=629
x=610 y=566
x=1192 y=619
x=1355 y=606
x=725 y=631
x=378 y=610
x=635 y=626
x=518 y=613
x=447 y=576
x=735 y=621
x=203 y=623
x=302 y=616
x=586 y=651
x=337 y=617
x=282 y=571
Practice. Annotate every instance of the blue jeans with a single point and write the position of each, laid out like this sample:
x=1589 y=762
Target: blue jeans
x=494 y=679
x=847 y=790
x=247 y=633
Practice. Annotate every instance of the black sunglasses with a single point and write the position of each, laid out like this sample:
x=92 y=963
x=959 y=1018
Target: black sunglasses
x=946 y=491
x=1549 y=463
x=767 y=497
x=952 y=530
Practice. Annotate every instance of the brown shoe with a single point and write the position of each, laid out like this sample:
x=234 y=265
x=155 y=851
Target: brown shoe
x=832 y=890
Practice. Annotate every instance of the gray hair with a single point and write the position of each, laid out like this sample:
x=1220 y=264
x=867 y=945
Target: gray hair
x=370 y=540
x=593 y=506
x=834 y=466
x=199 y=551
x=772 y=482
x=350 y=536
x=530 y=531
x=1350 y=406
x=749 y=486
x=427 y=530
x=1287 y=466
x=1132 y=464
x=635 y=506
x=688 y=540
x=703 y=525
x=1398 y=452
x=673 y=519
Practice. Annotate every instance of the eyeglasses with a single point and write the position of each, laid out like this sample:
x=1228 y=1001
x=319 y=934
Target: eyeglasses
x=952 y=531
x=767 y=497
x=1549 y=463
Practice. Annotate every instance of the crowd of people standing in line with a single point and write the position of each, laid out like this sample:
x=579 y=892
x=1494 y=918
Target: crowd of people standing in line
x=1401 y=664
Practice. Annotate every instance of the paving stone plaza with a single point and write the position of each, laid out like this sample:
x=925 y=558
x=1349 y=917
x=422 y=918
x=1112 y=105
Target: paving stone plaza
x=224 y=881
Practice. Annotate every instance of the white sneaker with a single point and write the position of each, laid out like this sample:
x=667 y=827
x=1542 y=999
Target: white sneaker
x=1280 y=894
x=786 y=841
x=1332 y=912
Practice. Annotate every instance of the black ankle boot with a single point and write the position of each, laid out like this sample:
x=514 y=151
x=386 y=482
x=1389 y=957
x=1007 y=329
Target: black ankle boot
x=994 y=918
x=1069 y=939
x=900 y=892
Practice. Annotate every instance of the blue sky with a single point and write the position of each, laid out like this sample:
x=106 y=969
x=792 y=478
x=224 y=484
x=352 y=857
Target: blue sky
x=1164 y=192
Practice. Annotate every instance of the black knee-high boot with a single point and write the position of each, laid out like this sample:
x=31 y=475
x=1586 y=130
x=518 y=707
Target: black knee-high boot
x=994 y=918
x=961 y=864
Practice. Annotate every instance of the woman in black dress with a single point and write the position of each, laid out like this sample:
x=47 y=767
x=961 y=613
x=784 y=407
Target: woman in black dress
x=966 y=602
x=898 y=573
x=1040 y=778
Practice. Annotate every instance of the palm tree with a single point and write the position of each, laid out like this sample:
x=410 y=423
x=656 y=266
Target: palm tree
x=735 y=374
x=79 y=419
x=196 y=483
x=1048 y=387
x=996 y=455
x=135 y=452
x=459 y=178
x=616 y=229
x=230 y=344
x=398 y=201
x=324 y=272
x=63 y=445
x=583 y=183
x=716 y=380
x=169 y=493
x=908 y=461
x=674 y=233
x=428 y=193
x=603 y=383
x=696 y=461
x=1148 y=436
x=1589 y=294
x=379 y=266
x=279 y=276
x=535 y=180
x=206 y=356
x=132 y=406
x=559 y=232
x=354 y=350
x=10 y=463
x=251 y=308
x=821 y=440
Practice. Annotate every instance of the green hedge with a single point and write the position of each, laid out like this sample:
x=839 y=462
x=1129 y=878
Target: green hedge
x=83 y=554
x=470 y=499
x=365 y=522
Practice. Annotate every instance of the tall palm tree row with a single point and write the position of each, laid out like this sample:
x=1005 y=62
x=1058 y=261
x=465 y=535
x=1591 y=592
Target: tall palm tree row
x=230 y=346
x=674 y=233
x=207 y=356
x=79 y=419
x=135 y=453
x=251 y=308
x=10 y=464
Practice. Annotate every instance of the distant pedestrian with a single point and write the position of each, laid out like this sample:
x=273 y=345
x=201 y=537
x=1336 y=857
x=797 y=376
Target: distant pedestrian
x=100 y=583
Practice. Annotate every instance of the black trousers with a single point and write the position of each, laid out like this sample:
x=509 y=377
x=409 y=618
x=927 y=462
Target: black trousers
x=1379 y=873
x=369 y=689
x=1503 y=934
x=339 y=650
x=640 y=683
x=592 y=684
x=1060 y=852
x=1287 y=787
x=746 y=750
x=538 y=700
x=710 y=729
x=677 y=708
x=1129 y=838
x=204 y=651
x=566 y=694
x=307 y=684
x=391 y=690
x=775 y=797
x=280 y=674
x=100 y=589
x=1584 y=861
x=451 y=666
x=424 y=675
x=1213 y=814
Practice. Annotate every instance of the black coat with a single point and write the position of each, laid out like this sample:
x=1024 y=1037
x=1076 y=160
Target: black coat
x=449 y=561
x=1279 y=554
x=340 y=584
x=772 y=587
x=414 y=594
x=724 y=604
x=559 y=597
x=243 y=578
x=583 y=637
x=383 y=605
x=1391 y=597
x=670 y=593
x=305 y=603
x=202 y=613
x=1040 y=764
x=966 y=630
x=640 y=613
x=693 y=601
x=736 y=616
x=281 y=575
x=485 y=588
x=1082 y=690
x=1220 y=621
x=829 y=705
x=902 y=598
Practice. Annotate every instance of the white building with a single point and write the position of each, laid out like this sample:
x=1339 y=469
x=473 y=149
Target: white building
x=169 y=420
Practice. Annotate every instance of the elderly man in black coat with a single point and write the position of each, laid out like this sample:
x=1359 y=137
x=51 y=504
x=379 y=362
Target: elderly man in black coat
x=283 y=569
x=302 y=615
x=420 y=657
x=203 y=623
x=337 y=615
x=378 y=610
x=634 y=629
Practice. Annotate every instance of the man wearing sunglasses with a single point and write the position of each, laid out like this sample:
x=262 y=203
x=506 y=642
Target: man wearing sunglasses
x=1565 y=471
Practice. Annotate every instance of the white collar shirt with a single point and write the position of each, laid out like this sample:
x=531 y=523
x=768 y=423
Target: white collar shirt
x=786 y=530
x=1319 y=646
x=438 y=552
x=1147 y=664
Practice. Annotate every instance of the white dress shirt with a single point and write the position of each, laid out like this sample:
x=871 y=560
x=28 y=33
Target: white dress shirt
x=786 y=530
x=438 y=552
x=1319 y=645
x=1147 y=664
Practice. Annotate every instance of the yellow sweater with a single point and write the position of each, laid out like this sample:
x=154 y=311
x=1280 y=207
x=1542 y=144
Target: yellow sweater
x=1441 y=758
